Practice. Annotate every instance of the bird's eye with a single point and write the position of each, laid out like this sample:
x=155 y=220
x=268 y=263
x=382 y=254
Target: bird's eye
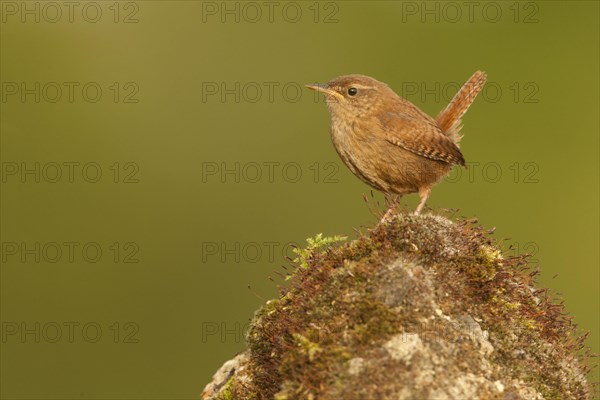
x=352 y=91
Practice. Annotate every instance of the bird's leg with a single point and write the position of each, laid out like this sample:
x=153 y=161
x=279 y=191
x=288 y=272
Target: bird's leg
x=423 y=194
x=392 y=201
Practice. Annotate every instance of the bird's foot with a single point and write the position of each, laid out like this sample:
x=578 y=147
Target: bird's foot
x=423 y=194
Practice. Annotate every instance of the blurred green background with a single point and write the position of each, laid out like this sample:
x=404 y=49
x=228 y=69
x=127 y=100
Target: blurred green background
x=214 y=159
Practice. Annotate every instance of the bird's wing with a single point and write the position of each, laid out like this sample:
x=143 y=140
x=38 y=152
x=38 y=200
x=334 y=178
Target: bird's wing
x=419 y=136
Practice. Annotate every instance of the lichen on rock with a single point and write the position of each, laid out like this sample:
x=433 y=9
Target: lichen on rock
x=418 y=308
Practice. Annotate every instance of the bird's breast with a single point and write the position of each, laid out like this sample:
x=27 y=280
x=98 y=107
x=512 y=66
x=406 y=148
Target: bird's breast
x=358 y=150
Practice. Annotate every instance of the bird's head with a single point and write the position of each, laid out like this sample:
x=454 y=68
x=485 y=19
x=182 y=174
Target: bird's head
x=353 y=94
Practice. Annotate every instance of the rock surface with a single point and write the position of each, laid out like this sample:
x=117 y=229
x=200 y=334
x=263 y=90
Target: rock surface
x=419 y=308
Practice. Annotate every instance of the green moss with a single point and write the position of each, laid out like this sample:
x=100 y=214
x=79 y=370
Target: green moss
x=233 y=390
x=309 y=348
x=226 y=393
x=314 y=244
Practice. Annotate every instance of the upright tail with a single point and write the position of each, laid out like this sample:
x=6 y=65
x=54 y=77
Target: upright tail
x=449 y=119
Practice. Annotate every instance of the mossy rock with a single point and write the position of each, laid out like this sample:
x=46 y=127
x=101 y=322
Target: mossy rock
x=419 y=308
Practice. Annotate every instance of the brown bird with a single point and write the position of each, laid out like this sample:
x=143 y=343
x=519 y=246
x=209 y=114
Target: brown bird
x=388 y=142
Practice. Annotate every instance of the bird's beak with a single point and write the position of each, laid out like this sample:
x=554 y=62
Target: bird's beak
x=323 y=88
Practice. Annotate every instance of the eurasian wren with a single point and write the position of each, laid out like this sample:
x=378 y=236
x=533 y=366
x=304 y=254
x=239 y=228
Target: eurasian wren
x=388 y=142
